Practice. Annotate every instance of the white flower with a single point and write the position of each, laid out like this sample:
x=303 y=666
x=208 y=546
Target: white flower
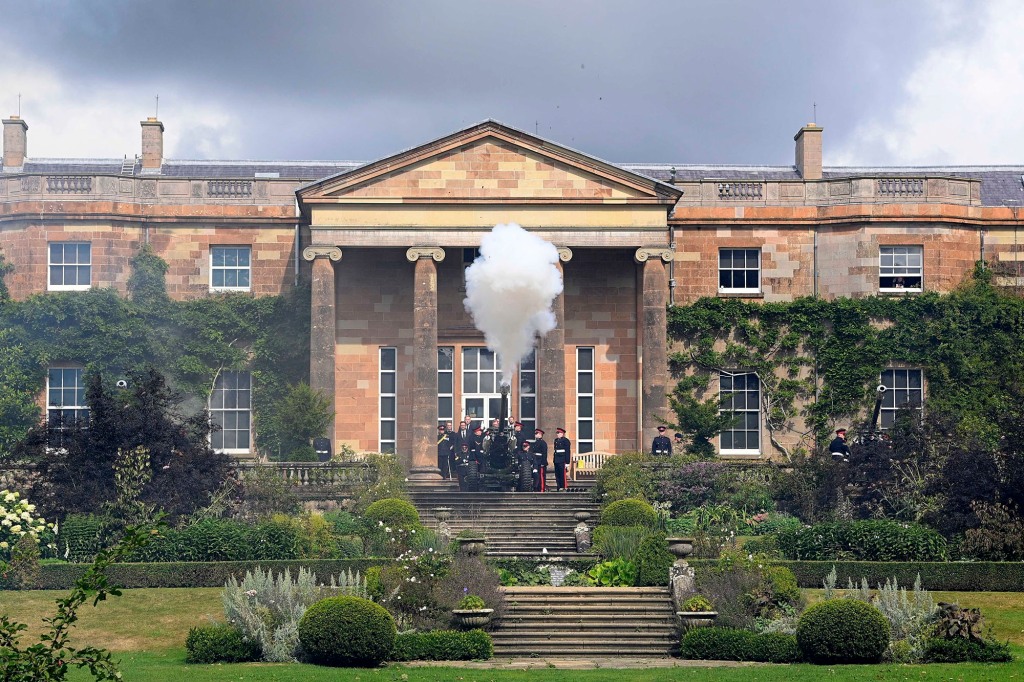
x=16 y=529
x=10 y=497
x=4 y=545
x=31 y=507
x=5 y=522
x=25 y=515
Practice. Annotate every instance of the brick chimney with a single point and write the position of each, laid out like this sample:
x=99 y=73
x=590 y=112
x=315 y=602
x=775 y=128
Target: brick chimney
x=152 y=145
x=15 y=143
x=808 y=151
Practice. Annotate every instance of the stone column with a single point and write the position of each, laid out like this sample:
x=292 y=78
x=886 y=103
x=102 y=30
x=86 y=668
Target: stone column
x=551 y=363
x=421 y=462
x=323 y=316
x=654 y=321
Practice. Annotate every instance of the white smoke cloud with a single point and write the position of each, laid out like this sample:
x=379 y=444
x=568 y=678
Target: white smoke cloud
x=509 y=290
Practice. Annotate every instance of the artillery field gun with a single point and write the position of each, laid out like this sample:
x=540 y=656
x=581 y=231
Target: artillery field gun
x=504 y=467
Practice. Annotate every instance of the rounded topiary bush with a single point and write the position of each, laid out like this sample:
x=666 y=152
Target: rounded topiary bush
x=842 y=631
x=346 y=631
x=629 y=513
x=393 y=512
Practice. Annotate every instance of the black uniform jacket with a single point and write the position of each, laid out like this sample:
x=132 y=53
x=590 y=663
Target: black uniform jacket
x=661 y=446
x=563 y=450
x=540 y=452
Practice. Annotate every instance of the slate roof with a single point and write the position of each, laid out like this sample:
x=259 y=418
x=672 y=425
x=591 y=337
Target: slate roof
x=1001 y=185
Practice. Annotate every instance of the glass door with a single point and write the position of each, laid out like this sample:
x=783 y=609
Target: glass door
x=481 y=385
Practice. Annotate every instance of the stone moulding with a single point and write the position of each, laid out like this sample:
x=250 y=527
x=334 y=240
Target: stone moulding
x=314 y=252
x=642 y=254
x=564 y=254
x=417 y=252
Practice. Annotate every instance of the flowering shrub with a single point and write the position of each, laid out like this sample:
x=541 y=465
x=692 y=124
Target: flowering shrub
x=692 y=485
x=17 y=520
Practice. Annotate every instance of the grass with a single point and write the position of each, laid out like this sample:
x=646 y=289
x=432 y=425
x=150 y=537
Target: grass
x=147 y=629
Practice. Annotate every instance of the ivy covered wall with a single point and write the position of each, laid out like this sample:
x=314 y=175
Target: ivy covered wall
x=188 y=341
x=819 y=361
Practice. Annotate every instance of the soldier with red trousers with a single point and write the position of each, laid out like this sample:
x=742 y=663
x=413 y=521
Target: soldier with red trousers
x=563 y=454
x=540 y=461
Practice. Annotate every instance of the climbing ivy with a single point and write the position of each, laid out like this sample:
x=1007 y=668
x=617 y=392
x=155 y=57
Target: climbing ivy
x=819 y=361
x=188 y=341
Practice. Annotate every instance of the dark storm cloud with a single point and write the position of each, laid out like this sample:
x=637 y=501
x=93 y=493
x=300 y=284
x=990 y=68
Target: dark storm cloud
x=714 y=82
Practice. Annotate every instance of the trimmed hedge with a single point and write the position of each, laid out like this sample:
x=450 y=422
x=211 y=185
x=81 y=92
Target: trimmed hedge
x=961 y=650
x=392 y=511
x=346 y=631
x=878 y=540
x=956 y=576
x=842 y=631
x=732 y=644
x=193 y=574
x=220 y=643
x=223 y=540
x=442 y=645
x=630 y=512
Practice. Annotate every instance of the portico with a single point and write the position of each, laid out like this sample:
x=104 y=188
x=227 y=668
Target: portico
x=408 y=224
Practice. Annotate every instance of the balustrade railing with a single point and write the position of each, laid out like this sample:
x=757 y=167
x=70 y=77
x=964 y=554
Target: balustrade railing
x=229 y=188
x=901 y=187
x=740 y=191
x=69 y=184
x=314 y=479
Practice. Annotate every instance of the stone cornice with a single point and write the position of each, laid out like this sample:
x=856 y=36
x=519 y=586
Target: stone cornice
x=643 y=254
x=314 y=252
x=417 y=252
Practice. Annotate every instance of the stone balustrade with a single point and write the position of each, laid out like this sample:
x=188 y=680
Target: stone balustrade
x=866 y=189
x=149 y=190
x=314 y=480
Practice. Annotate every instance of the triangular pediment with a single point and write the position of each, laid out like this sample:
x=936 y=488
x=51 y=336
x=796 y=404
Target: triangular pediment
x=489 y=163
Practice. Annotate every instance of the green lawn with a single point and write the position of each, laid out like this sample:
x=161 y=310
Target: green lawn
x=147 y=628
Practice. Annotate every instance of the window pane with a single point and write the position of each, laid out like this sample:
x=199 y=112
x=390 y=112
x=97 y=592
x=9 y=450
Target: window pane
x=585 y=358
x=444 y=383
x=486 y=359
x=527 y=382
x=586 y=383
x=586 y=407
x=387 y=430
x=444 y=407
x=469 y=382
x=586 y=430
x=387 y=407
x=527 y=408
x=469 y=358
x=388 y=358
x=445 y=361
x=530 y=361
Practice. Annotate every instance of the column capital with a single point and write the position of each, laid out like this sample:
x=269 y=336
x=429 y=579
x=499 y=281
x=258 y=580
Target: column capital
x=564 y=254
x=644 y=253
x=417 y=252
x=314 y=252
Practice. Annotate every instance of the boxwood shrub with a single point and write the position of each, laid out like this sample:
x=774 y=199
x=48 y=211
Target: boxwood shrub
x=961 y=650
x=842 y=631
x=221 y=643
x=394 y=512
x=862 y=540
x=442 y=645
x=629 y=513
x=223 y=540
x=346 y=631
x=732 y=644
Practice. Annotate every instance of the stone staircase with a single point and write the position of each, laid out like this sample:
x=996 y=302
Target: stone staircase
x=587 y=622
x=515 y=524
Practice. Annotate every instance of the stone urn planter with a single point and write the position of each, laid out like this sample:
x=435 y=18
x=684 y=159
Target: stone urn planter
x=680 y=547
x=472 y=545
x=581 y=515
x=468 y=619
x=695 y=619
x=443 y=514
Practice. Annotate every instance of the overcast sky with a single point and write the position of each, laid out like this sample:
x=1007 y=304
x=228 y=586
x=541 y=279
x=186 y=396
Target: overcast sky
x=909 y=82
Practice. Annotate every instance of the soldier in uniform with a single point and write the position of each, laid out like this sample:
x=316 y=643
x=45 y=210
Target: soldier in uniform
x=540 y=461
x=445 y=452
x=476 y=445
x=838 y=448
x=677 y=442
x=519 y=435
x=563 y=454
x=461 y=462
x=661 y=446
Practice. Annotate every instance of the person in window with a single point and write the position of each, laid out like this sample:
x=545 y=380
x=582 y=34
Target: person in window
x=661 y=446
x=838 y=448
x=898 y=283
x=563 y=453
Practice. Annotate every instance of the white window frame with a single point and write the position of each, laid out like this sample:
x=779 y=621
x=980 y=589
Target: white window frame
x=226 y=405
x=527 y=412
x=388 y=401
x=732 y=269
x=727 y=391
x=65 y=266
x=905 y=261
x=236 y=268
x=71 y=385
x=900 y=392
x=585 y=418
x=446 y=375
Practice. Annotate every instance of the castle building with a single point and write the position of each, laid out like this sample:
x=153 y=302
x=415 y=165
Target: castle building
x=385 y=245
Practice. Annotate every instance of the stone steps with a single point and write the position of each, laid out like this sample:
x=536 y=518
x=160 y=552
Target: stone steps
x=586 y=621
x=515 y=524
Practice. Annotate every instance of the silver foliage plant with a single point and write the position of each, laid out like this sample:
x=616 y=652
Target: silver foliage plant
x=909 y=613
x=267 y=607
